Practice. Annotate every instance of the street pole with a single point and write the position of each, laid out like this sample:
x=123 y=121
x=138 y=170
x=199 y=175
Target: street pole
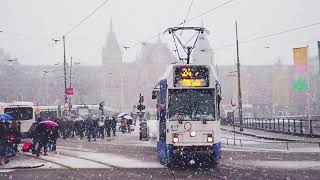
x=65 y=70
x=239 y=83
x=70 y=85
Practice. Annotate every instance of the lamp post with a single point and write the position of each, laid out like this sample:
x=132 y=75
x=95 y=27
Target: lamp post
x=64 y=67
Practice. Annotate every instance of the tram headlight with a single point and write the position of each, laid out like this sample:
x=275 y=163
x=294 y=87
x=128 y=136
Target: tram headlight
x=175 y=138
x=192 y=133
x=210 y=138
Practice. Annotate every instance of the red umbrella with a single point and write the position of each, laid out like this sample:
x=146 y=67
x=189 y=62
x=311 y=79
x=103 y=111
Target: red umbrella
x=49 y=123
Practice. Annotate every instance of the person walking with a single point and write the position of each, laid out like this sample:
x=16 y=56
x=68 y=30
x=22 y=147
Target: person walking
x=114 y=125
x=3 y=135
x=101 y=127
x=107 y=123
x=15 y=131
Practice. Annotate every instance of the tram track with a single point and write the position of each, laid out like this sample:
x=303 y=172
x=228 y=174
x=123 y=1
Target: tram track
x=88 y=159
x=57 y=163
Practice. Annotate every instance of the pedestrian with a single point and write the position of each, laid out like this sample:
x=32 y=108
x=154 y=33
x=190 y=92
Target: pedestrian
x=114 y=125
x=123 y=125
x=10 y=139
x=42 y=135
x=101 y=127
x=15 y=131
x=3 y=135
x=90 y=129
x=107 y=123
x=53 y=136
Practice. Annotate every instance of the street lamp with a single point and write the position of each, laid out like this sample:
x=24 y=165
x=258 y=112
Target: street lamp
x=64 y=67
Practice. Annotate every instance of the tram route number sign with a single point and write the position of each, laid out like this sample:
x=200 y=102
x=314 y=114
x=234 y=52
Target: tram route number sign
x=191 y=76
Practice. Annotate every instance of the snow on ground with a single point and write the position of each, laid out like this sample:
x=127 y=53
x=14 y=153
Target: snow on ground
x=280 y=164
x=72 y=162
x=113 y=159
x=23 y=161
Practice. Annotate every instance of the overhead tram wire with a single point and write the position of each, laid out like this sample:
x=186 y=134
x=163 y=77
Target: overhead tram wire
x=269 y=35
x=191 y=19
x=209 y=11
x=189 y=9
x=86 y=18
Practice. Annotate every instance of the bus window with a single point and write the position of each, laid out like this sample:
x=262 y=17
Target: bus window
x=20 y=113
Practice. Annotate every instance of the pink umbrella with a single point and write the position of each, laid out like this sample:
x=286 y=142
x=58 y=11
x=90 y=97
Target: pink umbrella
x=49 y=123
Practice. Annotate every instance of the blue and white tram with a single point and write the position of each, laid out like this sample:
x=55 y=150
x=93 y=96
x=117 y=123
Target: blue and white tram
x=188 y=110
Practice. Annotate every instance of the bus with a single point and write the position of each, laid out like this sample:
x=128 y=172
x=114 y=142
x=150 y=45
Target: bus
x=49 y=112
x=188 y=113
x=23 y=112
x=2 y=106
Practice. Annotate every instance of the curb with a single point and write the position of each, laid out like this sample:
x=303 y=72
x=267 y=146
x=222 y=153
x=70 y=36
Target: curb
x=25 y=167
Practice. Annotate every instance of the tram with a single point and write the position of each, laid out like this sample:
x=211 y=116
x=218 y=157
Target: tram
x=188 y=113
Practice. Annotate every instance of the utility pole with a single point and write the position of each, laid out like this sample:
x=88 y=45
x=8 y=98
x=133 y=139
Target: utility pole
x=70 y=75
x=70 y=85
x=239 y=82
x=65 y=70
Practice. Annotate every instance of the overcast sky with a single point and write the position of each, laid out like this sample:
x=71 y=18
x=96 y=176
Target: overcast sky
x=29 y=26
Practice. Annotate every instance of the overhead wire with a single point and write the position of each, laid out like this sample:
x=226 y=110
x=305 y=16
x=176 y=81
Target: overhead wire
x=189 y=9
x=87 y=17
x=269 y=35
x=188 y=20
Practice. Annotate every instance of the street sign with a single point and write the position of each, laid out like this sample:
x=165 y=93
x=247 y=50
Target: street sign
x=69 y=91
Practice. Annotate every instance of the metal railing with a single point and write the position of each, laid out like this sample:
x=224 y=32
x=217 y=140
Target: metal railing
x=284 y=145
x=293 y=126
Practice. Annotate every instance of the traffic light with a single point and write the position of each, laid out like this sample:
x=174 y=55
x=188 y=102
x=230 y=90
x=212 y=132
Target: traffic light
x=101 y=106
x=141 y=107
x=141 y=99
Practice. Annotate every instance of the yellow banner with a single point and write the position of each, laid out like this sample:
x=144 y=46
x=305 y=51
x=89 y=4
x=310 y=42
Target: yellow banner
x=300 y=56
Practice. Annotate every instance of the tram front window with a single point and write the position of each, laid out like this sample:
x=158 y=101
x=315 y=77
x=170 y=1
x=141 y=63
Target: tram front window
x=191 y=104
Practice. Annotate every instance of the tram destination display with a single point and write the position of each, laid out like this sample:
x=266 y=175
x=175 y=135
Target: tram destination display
x=191 y=76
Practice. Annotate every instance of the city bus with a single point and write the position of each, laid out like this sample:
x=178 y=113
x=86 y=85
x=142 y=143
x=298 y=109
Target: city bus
x=23 y=112
x=2 y=106
x=49 y=112
x=188 y=113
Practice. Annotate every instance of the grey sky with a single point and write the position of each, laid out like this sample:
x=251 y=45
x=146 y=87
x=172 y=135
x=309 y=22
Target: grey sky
x=30 y=25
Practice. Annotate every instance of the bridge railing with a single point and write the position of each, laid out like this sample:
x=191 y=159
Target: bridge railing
x=284 y=145
x=295 y=126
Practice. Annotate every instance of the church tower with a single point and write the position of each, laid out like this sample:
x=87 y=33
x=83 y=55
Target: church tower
x=111 y=70
x=111 y=52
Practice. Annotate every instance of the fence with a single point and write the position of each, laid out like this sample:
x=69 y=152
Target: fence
x=299 y=126
x=284 y=145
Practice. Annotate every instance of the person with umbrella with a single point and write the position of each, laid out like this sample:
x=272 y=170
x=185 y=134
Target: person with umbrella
x=42 y=134
x=7 y=138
